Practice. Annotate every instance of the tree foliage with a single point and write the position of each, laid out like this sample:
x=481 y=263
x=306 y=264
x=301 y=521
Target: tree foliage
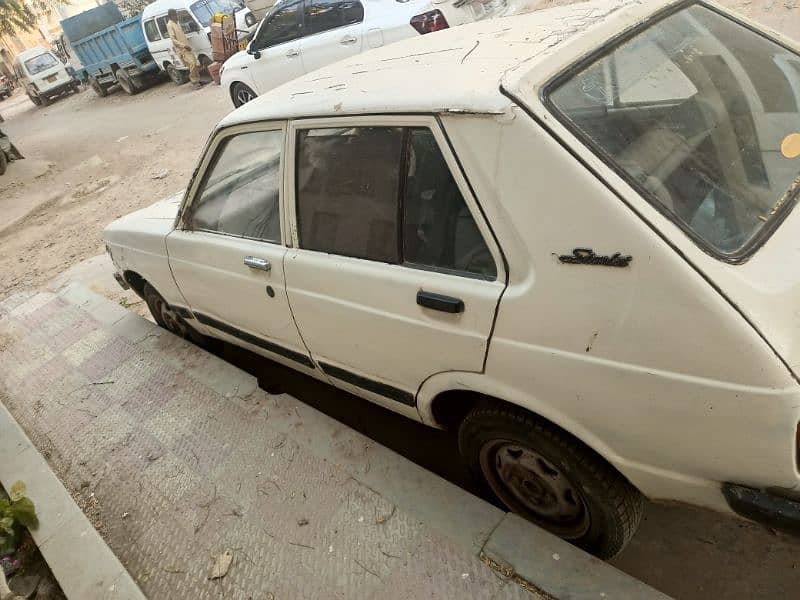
x=15 y=16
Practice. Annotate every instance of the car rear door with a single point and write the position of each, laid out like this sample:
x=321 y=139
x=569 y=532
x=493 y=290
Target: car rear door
x=227 y=253
x=394 y=276
x=332 y=31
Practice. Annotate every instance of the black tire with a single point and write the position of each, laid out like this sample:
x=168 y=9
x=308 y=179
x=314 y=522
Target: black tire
x=98 y=88
x=547 y=476
x=241 y=94
x=45 y=100
x=126 y=83
x=35 y=99
x=168 y=318
x=177 y=76
x=204 y=61
x=3 y=163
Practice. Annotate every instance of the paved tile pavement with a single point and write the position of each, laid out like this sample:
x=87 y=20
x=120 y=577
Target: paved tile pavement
x=176 y=456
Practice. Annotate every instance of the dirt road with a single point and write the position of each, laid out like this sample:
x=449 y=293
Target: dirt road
x=90 y=160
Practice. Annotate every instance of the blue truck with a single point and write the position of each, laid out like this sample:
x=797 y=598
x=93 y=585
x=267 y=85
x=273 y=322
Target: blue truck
x=111 y=49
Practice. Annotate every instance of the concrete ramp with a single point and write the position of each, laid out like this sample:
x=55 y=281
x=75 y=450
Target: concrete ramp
x=177 y=457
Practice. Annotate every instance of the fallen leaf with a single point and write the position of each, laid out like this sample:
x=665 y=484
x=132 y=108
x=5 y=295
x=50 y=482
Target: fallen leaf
x=221 y=565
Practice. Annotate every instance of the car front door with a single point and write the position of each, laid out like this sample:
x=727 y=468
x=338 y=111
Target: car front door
x=276 y=47
x=227 y=253
x=332 y=31
x=393 y=275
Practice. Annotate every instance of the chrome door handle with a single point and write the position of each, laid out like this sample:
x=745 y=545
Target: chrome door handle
x=257 y=263
x=349 y=39
x=292 y=53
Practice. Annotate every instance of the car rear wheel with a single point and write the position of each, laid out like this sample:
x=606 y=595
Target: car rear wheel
x=163 y=313
x=550 y=478
x=35 y=99
x=241 y=94
x=3 y=162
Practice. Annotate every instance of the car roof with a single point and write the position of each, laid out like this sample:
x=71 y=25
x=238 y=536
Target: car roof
x=160 y=7
x=26 y=54
x=455 y=70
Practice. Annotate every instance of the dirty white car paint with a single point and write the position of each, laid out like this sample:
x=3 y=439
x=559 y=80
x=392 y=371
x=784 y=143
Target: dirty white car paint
x=607 y=319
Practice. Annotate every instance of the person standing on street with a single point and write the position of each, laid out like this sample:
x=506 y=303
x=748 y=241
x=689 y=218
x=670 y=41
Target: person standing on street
x=184 y=49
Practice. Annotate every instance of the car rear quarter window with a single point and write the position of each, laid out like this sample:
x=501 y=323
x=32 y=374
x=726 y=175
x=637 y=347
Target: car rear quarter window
x=240 y=192
x=386 y=194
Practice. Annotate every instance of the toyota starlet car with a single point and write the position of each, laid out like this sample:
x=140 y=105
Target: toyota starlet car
x=571 y=236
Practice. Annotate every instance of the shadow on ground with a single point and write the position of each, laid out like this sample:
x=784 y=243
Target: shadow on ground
x=686 y=552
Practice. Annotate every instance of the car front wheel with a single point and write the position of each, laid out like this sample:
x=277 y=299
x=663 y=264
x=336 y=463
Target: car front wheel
x=164 y=314
x=550 y=478
x=241 y=94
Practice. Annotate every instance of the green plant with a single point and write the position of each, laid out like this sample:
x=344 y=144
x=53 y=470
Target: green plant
x=15 y=512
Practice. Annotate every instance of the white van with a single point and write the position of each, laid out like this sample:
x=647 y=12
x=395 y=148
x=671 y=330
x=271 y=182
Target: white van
x=195 y=17
x=42 y=75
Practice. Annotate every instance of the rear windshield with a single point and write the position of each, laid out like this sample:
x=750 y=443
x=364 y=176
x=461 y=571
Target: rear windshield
x=40 y=63
x=703 y=116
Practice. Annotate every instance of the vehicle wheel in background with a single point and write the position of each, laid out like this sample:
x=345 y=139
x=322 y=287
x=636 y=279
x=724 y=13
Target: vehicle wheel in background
x=126 y=83
x=241 y=94
x=167 y=318
x=550 y=478
x=178 y=77
x=3 y=162
x=204 y=62
x=45 y=100
x=98 y=88
x=76 y=87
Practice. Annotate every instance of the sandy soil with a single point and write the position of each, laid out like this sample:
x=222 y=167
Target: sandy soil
x=88 y=161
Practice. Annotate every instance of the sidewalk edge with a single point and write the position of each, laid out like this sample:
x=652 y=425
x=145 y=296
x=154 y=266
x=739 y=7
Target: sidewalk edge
x=81 y=561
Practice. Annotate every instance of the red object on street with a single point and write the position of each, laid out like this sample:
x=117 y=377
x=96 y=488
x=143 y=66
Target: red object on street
x=213 y=70
x=428 y=22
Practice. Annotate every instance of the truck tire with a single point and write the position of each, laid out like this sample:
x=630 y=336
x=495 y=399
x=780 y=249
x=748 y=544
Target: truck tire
x=98 y=87
x=126 y=83
x=550 y=478
x=3 y=162
x=178 y=77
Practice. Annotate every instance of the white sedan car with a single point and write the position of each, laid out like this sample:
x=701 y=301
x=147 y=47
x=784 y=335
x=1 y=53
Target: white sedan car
x=570 y=236
x=300 y=36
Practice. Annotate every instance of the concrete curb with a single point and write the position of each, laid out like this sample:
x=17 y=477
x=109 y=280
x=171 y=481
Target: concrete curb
x=81 y=561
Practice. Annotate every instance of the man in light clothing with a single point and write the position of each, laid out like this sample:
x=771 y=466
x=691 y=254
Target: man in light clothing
x=181 y=43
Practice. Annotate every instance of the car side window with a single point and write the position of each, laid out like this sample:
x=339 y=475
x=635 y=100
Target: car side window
x=151 y=29
x=162 y=27
x=385 y=194
x=282 y=26
x=240 y=191
x=323 y=15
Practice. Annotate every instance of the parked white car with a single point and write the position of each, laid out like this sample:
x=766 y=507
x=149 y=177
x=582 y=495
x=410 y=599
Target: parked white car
x=300 y=36
x=571 y=236
x=42 y=75
x=194 y=17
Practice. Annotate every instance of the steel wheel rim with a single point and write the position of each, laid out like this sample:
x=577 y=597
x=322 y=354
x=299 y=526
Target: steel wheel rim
x=244 y=95
x=532 y=486
x=172 y=321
